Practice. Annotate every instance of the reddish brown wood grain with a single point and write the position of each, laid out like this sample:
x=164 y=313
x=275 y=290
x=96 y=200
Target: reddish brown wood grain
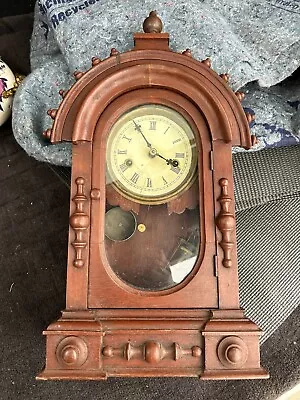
x=110 y=327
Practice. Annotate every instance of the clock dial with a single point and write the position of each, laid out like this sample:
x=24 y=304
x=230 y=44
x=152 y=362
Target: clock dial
x=151 y=154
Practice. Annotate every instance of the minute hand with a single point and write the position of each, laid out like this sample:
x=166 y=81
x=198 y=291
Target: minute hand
x=138 y=128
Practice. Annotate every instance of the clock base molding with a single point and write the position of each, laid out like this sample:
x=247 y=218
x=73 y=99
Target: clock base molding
x=101 y=343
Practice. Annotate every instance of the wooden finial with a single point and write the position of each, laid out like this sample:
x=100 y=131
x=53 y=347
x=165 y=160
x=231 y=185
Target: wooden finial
x=52 y=113
x=78 y=74
x=63 y=93
x=114 y=52
x=47 y=134
x=187 y=53
x=207 y=62
x=225 y=77
x=250 y=117
x=95 y=61
x=152 y=24
x=240 y=95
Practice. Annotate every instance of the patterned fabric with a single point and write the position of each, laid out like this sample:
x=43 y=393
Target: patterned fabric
x=269 y=261
x=267 y=194
x=264 y=176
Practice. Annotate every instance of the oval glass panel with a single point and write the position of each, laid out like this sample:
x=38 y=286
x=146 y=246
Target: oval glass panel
x=152 y=229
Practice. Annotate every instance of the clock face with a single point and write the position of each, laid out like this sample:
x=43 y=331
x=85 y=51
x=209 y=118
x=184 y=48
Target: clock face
x=151 y=154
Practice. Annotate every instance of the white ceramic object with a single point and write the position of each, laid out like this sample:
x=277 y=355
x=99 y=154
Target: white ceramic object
x=7 y=80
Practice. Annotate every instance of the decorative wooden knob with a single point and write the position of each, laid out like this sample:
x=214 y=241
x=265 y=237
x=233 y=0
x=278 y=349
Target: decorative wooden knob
x=187 y=53
x=153 y=352
x=108 y=351
x=196 y=351
x=250 y=117
x=63 y=93
x=240 y=95
x=80 y=181
x=225 y=76
x=95 y=194
x=72 y=352
x=114 y=52
x=69 y=355
x=78 y=74
x=232 y=352
x=52 y=113
x=207 y=62
x=95 y=61
x=47 y=134
x=153 y=23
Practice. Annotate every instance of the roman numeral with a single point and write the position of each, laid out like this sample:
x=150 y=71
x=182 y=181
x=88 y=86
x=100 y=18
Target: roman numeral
x=122 y=151
x=164 y=181
x=149 y=183
x=127 y=138
x=134 y=178
x=177 y=140
x=123 y=167
x=152 y=125
x=175 y=169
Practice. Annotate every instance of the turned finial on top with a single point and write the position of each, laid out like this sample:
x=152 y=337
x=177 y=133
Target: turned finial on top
x=152 y=24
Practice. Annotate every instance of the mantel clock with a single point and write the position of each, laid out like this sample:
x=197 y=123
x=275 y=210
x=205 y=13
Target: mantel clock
x=152 y=282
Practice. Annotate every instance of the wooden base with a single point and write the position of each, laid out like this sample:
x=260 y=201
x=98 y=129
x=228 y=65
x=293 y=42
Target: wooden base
x=93 y=345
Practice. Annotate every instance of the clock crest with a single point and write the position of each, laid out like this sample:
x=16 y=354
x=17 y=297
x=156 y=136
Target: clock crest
x=152 y=284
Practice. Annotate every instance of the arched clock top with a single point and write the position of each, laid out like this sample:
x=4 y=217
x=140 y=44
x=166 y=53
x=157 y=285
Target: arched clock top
x=94 y=90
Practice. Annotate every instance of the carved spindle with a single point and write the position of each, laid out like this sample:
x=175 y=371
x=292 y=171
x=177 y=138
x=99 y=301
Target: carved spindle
x=187 y=53
x=207 y=62
x=225 y=77
x=151 y=351
x=95 y=61
x=226 y=223
x=128 y=352
x=240 y=95
x=47 y=134
x=114 y=52
x=79 y=222
x=78 y=74
x=52 y=113
x=153 y=23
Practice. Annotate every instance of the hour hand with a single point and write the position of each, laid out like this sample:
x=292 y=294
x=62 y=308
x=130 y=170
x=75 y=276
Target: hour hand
x=169 y=161
x=138 y=128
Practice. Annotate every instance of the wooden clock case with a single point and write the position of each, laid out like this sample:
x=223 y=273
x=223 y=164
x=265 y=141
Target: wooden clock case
x=112 y=329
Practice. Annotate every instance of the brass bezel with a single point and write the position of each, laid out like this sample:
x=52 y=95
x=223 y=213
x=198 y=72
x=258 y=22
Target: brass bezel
x=192 y=175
